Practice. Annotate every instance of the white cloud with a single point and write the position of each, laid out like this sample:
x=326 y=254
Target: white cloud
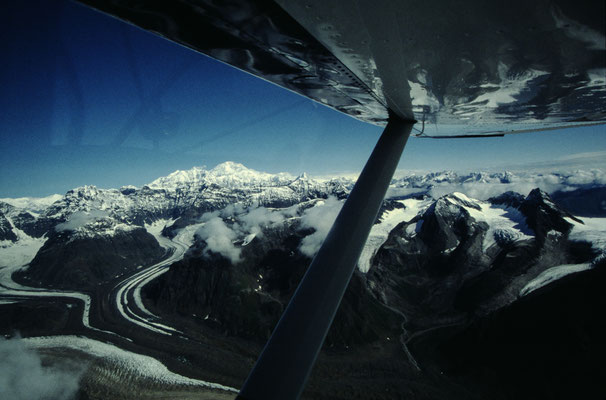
x=258 y=218
x=219 y=237
x=584 y=177
x=523 y=183
x=246 y=223
x=320 y=217
x=22 y=376
x=232 y=210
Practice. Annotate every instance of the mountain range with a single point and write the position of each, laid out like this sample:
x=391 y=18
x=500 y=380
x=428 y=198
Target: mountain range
x=465 y=289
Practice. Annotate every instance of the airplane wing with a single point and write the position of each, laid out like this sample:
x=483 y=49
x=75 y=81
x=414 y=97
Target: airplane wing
x=471 y=69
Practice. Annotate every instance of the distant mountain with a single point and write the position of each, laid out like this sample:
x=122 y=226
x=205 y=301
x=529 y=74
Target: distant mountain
x=32 y=204
x=551 y=178
x=229 y=175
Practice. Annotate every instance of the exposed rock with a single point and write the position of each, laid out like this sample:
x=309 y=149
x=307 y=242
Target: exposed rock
x=543 y=215
x=6 y=230
x=423 y=264
x=509 y=199
x=434 y=267
x=71 y=261
x=547 y=345
x=247 y=299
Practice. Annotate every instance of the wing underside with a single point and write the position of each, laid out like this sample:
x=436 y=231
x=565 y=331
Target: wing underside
x=472 y=69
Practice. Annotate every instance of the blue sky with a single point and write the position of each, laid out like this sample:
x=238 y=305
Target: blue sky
x=87 y=99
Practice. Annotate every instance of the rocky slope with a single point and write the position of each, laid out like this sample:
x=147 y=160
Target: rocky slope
x=548 y=344
x=245 y=299
x=71 y=261
x=462 y=277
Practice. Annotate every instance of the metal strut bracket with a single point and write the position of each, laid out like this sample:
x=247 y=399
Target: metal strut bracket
x=288 y=357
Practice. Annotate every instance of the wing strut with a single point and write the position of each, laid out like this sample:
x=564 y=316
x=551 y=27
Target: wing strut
x=288 y=357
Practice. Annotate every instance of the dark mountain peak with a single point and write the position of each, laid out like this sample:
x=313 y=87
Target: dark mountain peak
x=538 y=195
x=447 y=222
x=541 y=199
x=451 y=207
x=509 y=199
x=543 y=215
x=128 y=190
x=84 y=258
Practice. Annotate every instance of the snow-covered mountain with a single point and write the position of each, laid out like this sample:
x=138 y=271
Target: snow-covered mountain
x=33 y=205
x=228 y=175
x=182 y=192
x=183 y=197
x=571 y=178
x=202 y=190
x=450 y=256
x=116 y=217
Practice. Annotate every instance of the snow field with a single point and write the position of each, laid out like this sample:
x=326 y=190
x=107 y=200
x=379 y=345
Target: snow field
x=504 y=223
x=551 y=275
x=136 y=364
x=380 y=232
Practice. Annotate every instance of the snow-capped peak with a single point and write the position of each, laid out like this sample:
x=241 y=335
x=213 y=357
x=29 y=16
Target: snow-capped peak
x=179 y=178
x=228 y=174
x=463 y=200
x=230 y=171
x=231 y=168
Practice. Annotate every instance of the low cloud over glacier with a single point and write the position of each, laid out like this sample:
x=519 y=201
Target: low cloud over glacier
x=22 y=376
